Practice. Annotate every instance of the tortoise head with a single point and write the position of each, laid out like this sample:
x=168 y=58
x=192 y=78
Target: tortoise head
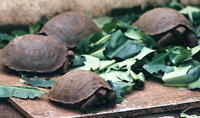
x=179 y=33
x=101 y=94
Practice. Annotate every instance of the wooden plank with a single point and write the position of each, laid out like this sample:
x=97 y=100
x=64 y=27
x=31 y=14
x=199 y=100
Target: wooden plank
x=154 y=98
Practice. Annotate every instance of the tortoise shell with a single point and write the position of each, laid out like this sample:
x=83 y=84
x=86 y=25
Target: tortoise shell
x=69 y=28
x=34 y=53
x=159 y=20
x=76 y=86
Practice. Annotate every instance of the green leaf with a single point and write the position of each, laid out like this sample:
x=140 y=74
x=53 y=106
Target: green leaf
x=19 y=32
x=100 y=21
x=116 y=25
x=122 y=25
x=6 y=37
x=119 y=87
x=121 y=47
x=196 y=53
x=194 y=84
x=78 y=61
x=108 y=27
x=119 y=97
x=39 y=82
x=141 y=37
x=43 y=20
x=194 y=77
x=84 y=44
x=177 y=78
x=123 y=65
x=111 y=75
x=179 y=54
x=174 y=4
x=34 y=28
x=115 y=39
x=91 y=63
x=196 y=19
x=19 y=92
x=99 y=53
x=144 y=52
x=193 y=74
x=188 y=10
x=158 y=63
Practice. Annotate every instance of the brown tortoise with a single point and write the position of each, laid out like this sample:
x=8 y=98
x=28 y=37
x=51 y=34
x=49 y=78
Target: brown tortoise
x=69 y=28
x=82 y=89
x=36 y=53
x=168 y=27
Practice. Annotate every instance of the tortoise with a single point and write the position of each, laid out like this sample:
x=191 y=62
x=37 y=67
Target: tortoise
x=168 y=27
x=69 y=28
x=82 y=89
x=36 y=53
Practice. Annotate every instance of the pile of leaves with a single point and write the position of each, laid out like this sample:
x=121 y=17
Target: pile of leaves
x=125 y=56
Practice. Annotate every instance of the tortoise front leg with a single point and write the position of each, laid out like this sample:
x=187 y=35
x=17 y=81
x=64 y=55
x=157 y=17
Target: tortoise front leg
x=92 y=101
x=191 y=40
x=165 y=40
x=111 y=98
x=64 y=68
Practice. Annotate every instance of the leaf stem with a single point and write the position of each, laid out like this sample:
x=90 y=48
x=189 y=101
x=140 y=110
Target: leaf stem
x=107 y=65
x=102 y=39
x=133 y=75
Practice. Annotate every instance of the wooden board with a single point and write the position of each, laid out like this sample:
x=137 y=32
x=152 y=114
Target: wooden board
x=154 y=98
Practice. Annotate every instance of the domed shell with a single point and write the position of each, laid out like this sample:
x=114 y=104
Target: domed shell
x=69 y=28
x=34 y=53
x=76 y=86
x=160 y=20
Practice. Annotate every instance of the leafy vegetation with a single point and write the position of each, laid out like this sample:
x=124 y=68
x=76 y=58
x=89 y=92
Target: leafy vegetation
x=123 y=44
x=125 y=56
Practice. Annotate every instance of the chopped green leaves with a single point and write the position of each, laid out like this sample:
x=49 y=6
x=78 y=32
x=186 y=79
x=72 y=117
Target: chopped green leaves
x=158 y=63
x=121 y=47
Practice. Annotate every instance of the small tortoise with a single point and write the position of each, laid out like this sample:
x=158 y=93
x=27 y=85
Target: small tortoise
x=168 y=27
x=69 y=28
x=36 y=53
x=82 y=89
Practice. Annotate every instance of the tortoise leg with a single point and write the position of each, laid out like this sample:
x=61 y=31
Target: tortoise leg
x=191 y=40
x=165 y=40
x=64 y=68
x=92 y=101
x=111 y=98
